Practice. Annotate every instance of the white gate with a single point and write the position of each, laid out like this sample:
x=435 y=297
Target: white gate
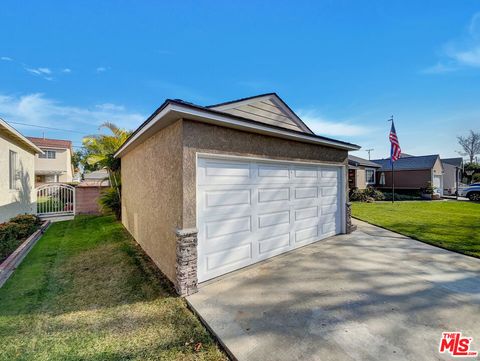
x=55 y=199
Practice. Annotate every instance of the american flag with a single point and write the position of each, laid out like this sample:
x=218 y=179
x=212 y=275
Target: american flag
x=395 y=150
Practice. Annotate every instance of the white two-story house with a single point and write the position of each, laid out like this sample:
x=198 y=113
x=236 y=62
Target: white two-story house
x=55 y=164
x=17 y=155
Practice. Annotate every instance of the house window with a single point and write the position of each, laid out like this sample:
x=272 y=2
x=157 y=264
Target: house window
x=370 y=176
x=382 y=178
x=12 y=179
x=48 y=154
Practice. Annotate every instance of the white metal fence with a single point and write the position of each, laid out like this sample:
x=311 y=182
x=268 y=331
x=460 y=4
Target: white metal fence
x=55 y=199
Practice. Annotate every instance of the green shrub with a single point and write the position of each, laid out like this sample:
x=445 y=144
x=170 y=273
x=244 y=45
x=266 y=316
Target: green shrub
x=366 y=195
x=8 y=231
x=476 y=178
x=12 y=233
x=110 y=202
x=375 y=194
x=28 y=219
x=402 y=197
x=429 y=189
x=27 y=224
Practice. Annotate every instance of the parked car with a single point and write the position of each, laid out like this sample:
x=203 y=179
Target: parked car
x=472 y=192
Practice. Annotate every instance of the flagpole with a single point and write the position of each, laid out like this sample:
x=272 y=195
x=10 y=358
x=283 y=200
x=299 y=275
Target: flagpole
x=393 y=170
x=393 y=183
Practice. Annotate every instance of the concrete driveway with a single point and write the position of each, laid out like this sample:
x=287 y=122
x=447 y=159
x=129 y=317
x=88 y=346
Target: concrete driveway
x=371 y=295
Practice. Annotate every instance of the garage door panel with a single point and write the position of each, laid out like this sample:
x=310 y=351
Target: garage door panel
x=273 y=219
x=225 y=198
x=329 y=209
x=329 y=173
x=228 y=227
x=218 y=244
x=278 y=243
x=329 y=191
x=306 y=223
x=328 y=182
x=306 y=192
x=306 y=213
x=266 y=232
x=266 y=195
x=229 y=258
x=223 y=172
x=327 y=218
x=249 y=211
x=326 y=200
x=272 y=173
x=329 y=227
x=305 y=235
x=305 y=172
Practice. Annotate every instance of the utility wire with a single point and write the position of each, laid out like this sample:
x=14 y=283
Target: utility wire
x=41 y=126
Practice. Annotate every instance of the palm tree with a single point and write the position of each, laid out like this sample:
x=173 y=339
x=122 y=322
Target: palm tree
x=100 y=150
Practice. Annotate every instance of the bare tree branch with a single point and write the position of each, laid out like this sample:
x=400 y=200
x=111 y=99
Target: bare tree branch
x=470 y=145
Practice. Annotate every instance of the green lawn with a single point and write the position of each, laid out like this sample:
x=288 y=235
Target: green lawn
x=451 y=225
x=87 y=292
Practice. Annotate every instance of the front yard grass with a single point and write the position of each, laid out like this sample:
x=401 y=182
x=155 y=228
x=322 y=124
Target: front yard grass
x=87 y=292
x=453 y=225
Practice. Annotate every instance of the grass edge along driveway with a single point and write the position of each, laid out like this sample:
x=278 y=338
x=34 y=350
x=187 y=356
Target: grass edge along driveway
x=453 y=225
x=87 y=291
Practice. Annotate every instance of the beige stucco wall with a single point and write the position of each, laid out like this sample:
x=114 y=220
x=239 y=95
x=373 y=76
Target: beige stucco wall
x=205 y=138
x=152 y=195
x=21 y=200
x=62 y=163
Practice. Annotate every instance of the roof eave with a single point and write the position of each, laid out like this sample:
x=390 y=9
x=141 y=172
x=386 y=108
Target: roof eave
x=21 y=138
x=173 y=110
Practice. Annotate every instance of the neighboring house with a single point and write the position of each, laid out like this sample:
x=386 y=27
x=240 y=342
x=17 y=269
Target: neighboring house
x=248 y=175
x=55 y=164
x=361 y=172
x=452 y=174
x=411 y=172
x=99 y=177
x=17 y=155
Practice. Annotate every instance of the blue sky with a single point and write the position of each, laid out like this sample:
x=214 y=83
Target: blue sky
x=344 y=66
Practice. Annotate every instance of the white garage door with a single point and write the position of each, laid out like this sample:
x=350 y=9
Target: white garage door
x=252 y=210
x=437 y=184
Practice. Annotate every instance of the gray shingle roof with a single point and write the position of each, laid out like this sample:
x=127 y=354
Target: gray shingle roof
x=356 y=161
x=457 y=162
x=408 y=163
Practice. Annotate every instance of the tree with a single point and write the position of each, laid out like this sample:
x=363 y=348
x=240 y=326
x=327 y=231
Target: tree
x=100 y=150
x=470 y=145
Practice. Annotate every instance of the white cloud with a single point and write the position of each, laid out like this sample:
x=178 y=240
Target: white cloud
x=439 y=68
x=43 y=72
x=462 y=52
x=321 y=126
x=36 y=109
x=39 y=71
x=101 y=69
x=6 y=58
x=467 y=57
x=66 y=70
x=110 y=106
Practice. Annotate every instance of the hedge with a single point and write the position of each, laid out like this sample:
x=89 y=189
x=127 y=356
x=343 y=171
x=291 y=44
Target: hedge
x=15 y=231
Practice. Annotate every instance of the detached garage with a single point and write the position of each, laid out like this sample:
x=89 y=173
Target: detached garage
x=208 y=190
